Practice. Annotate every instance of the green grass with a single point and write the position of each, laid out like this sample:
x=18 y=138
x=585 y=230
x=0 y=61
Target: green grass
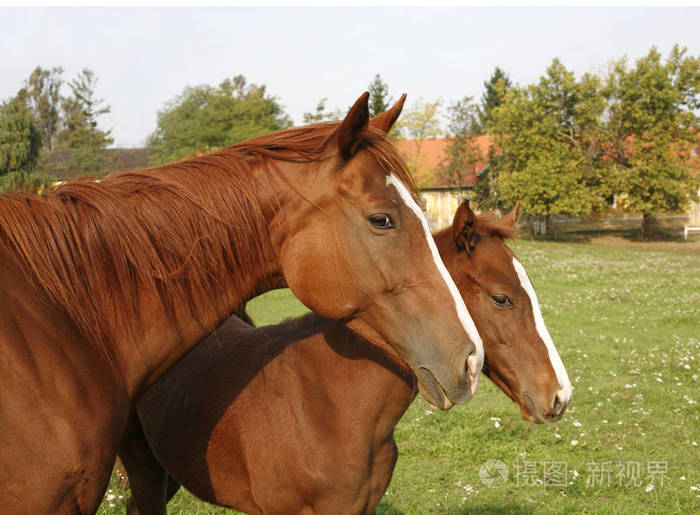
x=626 y=322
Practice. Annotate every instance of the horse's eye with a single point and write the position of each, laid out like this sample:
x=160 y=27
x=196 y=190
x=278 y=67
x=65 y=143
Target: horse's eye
x=381 y=221
x=502 y=301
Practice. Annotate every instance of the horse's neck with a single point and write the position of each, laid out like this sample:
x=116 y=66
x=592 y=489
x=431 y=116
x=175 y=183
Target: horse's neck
x=261 y=274
x=444 y=242
x=364 y=386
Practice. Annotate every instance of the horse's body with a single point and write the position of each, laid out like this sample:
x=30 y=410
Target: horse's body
x=82 y=389
x=312 y=430
x=105 y=284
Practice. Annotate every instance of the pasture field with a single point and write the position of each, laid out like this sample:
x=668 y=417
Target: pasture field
x=626 y=322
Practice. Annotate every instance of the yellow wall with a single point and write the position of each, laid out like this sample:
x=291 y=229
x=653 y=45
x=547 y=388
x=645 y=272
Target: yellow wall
x=441 y=205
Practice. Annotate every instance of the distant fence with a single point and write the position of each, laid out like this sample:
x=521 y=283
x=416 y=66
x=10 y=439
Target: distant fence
x=608 y=223
x=440 y=205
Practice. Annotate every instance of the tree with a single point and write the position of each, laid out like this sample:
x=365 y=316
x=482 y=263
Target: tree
x=321 y=114
x=421 y=121
x=378 y=96
x=486 y=188
x=20 y=137
x=463 y=155
x=69 y=124
x=80 y=116
x=44 y=99
x=495 y=90
x=652 y=126
x=550 y=156
x=80 y=132
x=204 y=118
x=26 y=181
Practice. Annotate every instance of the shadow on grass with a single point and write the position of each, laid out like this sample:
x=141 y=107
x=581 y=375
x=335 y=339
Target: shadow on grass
x=504 y=508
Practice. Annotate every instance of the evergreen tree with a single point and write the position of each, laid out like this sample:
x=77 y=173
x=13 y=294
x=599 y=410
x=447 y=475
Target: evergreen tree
x=495 y=90
x=80 y=133
x=20 y=137
x=80 y=116
x=43 y=89
x=378 y=96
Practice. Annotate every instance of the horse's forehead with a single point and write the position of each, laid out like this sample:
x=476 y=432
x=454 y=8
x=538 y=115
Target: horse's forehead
x=494 y=260
x=492 y=250
x=372 y=174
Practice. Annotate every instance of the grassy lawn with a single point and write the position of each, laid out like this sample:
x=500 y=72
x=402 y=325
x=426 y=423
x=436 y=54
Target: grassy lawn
x=626 y=322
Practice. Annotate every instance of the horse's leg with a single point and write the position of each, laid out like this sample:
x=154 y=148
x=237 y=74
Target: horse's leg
x=148 y=481
x=382 y=469
x=173 y=487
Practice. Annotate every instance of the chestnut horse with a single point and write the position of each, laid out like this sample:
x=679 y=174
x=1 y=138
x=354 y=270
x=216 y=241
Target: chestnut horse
x=105 y=284
x=304 y=421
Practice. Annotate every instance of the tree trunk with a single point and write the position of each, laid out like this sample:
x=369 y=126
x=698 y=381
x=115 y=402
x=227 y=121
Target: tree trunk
x=650 y=226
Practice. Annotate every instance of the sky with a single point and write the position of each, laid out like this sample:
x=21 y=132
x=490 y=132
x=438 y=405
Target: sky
x=144 y=57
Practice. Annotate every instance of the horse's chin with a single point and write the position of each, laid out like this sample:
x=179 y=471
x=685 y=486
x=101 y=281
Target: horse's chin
x=529 y=411
x=431 y=390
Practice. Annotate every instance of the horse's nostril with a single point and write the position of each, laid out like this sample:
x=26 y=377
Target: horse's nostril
x=560 y=403
x=472 y=366
x=557 y=405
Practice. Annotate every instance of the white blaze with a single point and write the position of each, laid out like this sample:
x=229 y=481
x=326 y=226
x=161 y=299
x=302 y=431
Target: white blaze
x=462 y=312
x=557 y=364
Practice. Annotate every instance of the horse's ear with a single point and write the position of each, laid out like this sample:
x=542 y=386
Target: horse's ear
x=386 y=120
x=464 y=228
x=512 y=218
x=348 y=135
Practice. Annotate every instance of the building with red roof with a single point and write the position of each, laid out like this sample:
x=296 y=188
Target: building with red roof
x=442 y=193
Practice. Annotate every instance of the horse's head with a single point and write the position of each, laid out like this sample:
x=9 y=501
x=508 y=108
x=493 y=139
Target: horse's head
x=362 y=252
x=520 y=355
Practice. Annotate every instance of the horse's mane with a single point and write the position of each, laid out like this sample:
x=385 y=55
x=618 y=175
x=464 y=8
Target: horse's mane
x=96 y=246
x=488 y=225
x=306 y=144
